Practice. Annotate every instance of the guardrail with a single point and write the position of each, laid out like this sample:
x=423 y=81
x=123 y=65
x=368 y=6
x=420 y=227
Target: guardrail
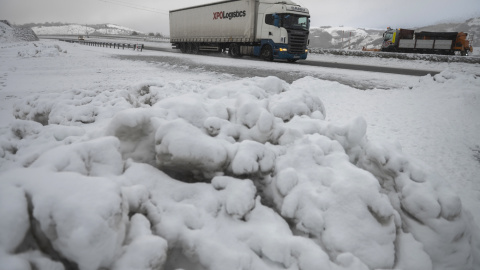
x=115 y=45
x=133 y=38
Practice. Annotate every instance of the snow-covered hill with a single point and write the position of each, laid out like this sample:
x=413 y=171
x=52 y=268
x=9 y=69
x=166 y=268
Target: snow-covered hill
x=9 y=33
x=77 y=29
x=327 y=37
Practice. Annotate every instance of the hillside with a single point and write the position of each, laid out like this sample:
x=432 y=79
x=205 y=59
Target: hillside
x=77 y=29
x=9 y=33
x=328 y=37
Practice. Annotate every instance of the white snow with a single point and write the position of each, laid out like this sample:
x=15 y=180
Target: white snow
x=474 y=22
x=77 y=29
x=347 y=37
x=71 y=29
x=121 y=164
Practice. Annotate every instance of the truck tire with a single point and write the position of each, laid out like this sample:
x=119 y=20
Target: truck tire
x=183 y=48
x=267 y=53
x=234 y=50
x=189 y=47
x=195 y=48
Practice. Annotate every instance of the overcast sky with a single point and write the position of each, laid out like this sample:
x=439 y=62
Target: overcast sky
x=152 y=15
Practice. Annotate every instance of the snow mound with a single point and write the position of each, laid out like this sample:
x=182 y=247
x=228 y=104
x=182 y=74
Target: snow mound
x=10 y=34
x=244 y=175
x=40 y=50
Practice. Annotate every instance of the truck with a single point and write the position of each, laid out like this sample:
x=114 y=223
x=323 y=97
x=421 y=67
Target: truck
x=409 y=41
x=269 y=29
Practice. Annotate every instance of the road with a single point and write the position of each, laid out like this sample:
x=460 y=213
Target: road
x=382 y=69
x=369 y=68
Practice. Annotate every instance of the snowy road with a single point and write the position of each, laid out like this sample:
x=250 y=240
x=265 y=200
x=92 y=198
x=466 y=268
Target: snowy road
x=166 y=47
x=285 y=71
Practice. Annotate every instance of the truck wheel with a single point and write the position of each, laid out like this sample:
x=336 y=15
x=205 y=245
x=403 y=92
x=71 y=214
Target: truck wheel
x=188 y=47
x=183 y=48
x=195 y=48
x=234 y=50
x=267 y=53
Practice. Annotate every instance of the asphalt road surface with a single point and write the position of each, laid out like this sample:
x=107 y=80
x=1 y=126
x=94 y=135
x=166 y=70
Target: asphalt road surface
x=381 y=69
x=285 y=74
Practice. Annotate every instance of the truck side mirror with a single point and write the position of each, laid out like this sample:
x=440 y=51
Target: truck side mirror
x=276 y=20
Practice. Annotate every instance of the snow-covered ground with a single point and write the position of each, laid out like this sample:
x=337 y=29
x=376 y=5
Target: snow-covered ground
x=165 y=164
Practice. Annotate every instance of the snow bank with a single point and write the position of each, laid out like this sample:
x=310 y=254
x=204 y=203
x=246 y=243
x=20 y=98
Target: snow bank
x=40 y=50
x=243 y=175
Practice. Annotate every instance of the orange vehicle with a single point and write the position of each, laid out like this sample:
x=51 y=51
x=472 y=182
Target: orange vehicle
x=408 y=41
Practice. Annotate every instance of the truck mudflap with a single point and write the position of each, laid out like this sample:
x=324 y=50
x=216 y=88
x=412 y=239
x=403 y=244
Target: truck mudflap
x=279 y=50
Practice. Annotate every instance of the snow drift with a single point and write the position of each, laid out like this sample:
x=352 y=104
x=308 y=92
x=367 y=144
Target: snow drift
x=246 y=175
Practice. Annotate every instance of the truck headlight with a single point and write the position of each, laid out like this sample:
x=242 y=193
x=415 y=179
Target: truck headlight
x=283 y=49
x=306 y=50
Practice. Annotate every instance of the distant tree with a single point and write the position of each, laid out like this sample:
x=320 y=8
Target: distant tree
x=159 y=35
x=151 y=34
x=134 y=33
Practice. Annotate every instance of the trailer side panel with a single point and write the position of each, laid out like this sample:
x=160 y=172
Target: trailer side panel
x=407 y=44
x=443 y=44
x=424 y=44
x=232 y=21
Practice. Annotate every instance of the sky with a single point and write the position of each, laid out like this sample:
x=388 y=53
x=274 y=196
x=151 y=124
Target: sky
x=152 y=15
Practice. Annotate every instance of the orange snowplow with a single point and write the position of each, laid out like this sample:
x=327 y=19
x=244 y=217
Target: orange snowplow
x=409 y=41
x=462 y=44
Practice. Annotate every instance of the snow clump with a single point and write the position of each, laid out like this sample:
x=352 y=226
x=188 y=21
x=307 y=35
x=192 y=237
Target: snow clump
x=244 y=175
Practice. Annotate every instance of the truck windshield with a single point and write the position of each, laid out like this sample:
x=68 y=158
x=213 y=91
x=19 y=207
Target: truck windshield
x=388 y=35
x=291 y=21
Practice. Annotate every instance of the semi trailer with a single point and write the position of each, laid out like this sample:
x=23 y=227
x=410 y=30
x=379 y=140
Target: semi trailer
x=409 y=41
x=269 y=29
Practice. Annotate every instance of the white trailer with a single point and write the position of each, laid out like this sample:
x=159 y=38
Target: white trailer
x=270 y=29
